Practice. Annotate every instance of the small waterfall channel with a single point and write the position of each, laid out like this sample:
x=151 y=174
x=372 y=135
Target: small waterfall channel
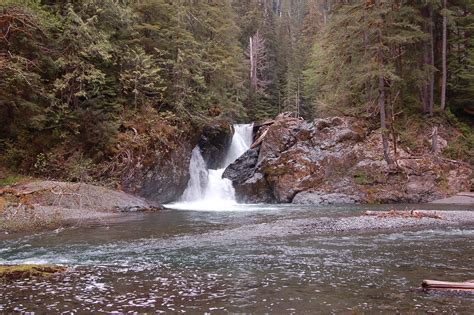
x=206 y=189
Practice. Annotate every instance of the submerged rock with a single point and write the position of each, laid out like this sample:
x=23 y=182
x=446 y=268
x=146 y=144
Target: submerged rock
x=338 y=160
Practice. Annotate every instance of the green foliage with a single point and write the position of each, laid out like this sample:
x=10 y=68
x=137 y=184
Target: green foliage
x=75 y=74
x=362 y=179
x=141 y=77
x=461 y=58
x=462 y=145
x=71 y=72
x=346 y=64
x=198 y=45
x=10 y=180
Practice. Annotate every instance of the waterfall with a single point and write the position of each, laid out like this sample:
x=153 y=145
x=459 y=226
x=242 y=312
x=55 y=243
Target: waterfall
x=241 y=142
x=199 y=176
x=206 y=188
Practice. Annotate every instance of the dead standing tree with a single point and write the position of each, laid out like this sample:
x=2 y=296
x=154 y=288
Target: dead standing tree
x=258 y=63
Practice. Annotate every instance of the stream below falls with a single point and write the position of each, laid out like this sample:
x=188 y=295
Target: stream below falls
x=252 y=259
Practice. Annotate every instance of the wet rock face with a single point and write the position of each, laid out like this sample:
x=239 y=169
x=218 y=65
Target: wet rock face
x=243 y=168
x=215 y=142
x=163 y=177
x=249 y=188
x=255 y=189
x=337 y=160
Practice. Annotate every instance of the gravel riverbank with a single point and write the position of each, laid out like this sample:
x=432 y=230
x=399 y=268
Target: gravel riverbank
x=327 y=225
x=53 y=205
x=48 y=205
x=365 y=223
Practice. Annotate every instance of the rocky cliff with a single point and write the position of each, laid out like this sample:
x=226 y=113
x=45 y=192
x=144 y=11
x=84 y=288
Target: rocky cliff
x=162 y=174
x=339 y=160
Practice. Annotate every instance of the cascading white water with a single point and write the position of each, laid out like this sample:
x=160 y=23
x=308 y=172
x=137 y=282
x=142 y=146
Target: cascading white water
x=241 y=142
x=199 y=177
x=206 y=189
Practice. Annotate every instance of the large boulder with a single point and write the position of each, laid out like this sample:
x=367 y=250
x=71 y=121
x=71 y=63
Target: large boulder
x=323 y=198
x=243 y=168
x=338 y=160
x=249 y=188
x=214 y=143
x=255 y=189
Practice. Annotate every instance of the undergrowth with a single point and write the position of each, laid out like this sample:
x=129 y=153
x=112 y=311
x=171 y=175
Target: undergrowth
x=142 y=135
x=415 y=131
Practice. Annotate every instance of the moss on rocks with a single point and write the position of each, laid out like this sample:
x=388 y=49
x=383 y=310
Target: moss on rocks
x=17 y=272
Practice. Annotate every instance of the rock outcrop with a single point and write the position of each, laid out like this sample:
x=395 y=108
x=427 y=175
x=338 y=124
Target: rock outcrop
x=214 y=143
x=48 y=205
x=161 y=176
x=243 y=168
x=338 y=160
x=80 y=196
x=162 y=173
x=323 y=198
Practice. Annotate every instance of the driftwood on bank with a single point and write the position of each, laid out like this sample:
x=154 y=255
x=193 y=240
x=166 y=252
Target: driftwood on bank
x=19 y=193
x=467 y=286
x=403 y=214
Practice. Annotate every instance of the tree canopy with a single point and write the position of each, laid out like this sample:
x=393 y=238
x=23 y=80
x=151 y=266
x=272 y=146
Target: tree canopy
x=74 y=74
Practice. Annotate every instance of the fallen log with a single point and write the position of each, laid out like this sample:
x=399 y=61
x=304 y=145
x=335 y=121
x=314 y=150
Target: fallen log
x=259 y=140
x=449 y=286
x=257 y=126
x=403 y=214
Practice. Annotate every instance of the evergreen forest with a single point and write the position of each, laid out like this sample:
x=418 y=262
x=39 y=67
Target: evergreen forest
x=82 y=82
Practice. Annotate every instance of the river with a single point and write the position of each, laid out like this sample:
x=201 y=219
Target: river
x=251 y=259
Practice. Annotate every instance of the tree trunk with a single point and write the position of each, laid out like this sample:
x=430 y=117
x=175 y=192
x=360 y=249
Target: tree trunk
x=427 y=87
x=383 y=122
x=253 y=67
x=445 y=72
x=434 y=141
x=431 y=64
x=298 y=98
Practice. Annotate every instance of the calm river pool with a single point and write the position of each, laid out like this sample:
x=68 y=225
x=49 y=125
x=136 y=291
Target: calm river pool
x=251 y=259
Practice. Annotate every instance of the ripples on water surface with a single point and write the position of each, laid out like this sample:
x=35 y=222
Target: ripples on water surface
x=239 y=261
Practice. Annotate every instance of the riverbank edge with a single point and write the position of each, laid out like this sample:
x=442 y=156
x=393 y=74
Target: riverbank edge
x=37 y=206
x=68 y=216
x=364 y=224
